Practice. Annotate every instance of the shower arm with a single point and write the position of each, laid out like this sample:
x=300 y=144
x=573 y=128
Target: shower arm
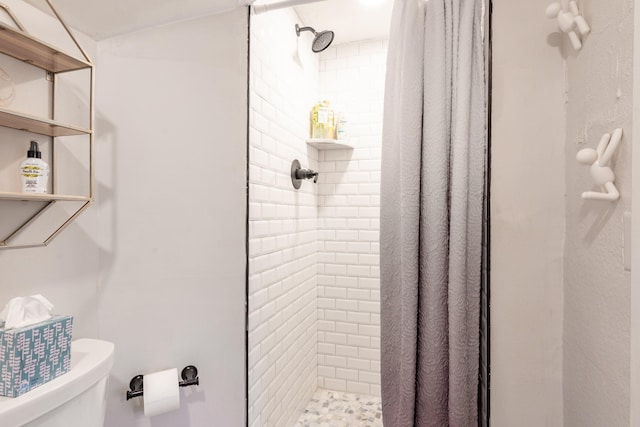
x=299 y=29
x=262 y=8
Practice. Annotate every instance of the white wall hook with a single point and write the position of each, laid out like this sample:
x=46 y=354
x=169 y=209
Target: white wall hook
x=582 y=25
x=600 y=171
x=569 y=20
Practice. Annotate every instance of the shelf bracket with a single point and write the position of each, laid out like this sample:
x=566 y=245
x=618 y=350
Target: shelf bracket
x=6 y=241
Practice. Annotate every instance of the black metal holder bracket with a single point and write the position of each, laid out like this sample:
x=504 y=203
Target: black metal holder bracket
x=135 y=385
x=189 y=377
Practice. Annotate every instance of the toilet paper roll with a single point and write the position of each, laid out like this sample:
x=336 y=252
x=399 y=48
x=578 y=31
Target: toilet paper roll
x=161 y=392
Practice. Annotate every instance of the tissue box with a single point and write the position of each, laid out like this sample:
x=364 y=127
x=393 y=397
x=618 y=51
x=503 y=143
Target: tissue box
x=35 y=354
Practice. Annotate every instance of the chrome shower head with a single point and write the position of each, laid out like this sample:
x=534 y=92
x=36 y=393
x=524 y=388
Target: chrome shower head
x=321 y=41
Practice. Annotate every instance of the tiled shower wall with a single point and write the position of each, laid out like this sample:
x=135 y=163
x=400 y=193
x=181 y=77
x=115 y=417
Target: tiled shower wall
x=283 y=223
x=314 y=276
x=352 y=78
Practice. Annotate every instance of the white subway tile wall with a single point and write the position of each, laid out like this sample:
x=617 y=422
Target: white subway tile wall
x=313 y=269
x=283 y=223
x=352 y=78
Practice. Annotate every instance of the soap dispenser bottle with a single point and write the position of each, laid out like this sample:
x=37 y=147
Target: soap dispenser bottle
x=34 y=172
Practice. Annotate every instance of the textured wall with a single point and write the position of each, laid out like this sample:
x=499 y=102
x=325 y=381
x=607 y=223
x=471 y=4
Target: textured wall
x=597 y=289
x=527 y=223
x=352 y=78
x=283 y=223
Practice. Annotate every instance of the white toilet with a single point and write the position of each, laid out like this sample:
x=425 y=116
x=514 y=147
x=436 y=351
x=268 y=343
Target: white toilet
x=76 y=398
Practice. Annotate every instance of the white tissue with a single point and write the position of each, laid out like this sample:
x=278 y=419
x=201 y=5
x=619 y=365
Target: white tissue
x=25 y=311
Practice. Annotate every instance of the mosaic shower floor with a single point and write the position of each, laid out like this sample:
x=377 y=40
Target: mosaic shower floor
x=336 y=409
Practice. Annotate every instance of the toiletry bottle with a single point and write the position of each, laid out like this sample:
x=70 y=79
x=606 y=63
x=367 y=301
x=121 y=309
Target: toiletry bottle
x=34 y=172
x=322 y=121
x=342 y=131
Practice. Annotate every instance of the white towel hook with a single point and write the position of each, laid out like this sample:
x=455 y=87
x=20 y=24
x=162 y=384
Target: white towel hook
x=569 y=20
x=600 y=171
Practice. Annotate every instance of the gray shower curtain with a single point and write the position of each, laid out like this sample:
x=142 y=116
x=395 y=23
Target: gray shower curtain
x=433 y=156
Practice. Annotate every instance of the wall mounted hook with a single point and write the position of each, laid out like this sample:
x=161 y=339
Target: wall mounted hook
x=570 y=21
x=600 y=171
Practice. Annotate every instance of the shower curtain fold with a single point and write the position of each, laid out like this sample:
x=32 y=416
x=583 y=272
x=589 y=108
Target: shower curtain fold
x=434 y=142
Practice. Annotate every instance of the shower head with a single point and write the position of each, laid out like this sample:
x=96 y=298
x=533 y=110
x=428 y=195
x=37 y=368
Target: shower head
x=321 y=41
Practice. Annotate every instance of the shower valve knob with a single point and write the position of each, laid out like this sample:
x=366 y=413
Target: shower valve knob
x=307 y=174
x=298 y=174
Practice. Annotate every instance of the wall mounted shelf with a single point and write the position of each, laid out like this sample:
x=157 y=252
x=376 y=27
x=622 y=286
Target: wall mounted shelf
x=329 y=144
x=29 y=197
x=40 y=125
x=24 y=47
x=27 y=219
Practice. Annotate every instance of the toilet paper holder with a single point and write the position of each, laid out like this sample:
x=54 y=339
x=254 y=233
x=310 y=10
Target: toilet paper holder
x=189 y=377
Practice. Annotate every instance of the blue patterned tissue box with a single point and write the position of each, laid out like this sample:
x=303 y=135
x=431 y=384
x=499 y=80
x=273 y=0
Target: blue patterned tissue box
x=35 y=354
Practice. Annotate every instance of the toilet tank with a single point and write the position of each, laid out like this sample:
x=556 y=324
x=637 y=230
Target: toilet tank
x=77 y=398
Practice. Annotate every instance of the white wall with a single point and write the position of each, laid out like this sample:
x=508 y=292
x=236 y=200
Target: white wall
x=352 y=78
x=283 y=223
x=171 y=125
x=596 y=287
x=527 y=222
x=157 y=265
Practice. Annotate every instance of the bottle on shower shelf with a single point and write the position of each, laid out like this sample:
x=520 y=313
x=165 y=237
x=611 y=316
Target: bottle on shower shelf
x=323 y=123
x=342 y=127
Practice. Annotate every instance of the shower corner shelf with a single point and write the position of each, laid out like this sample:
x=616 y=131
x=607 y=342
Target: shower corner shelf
x=329 y=144
x=43 y=215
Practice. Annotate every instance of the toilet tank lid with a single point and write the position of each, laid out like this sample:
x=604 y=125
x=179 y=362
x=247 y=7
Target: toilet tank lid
x=91 y=360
